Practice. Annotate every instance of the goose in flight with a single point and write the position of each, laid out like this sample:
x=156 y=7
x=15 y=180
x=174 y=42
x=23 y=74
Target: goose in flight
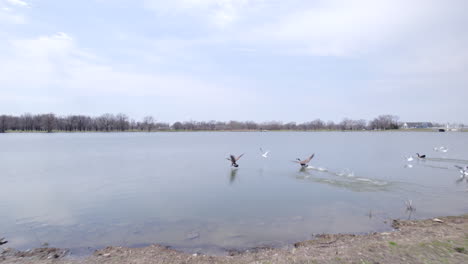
x=421 y=156
x=264 y=153
x=234 y=160
x=304 y=163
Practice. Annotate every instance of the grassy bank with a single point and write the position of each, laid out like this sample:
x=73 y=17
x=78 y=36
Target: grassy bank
x=444 y=240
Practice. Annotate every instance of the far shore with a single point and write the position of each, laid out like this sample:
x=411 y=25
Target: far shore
x=436 y=240
x=238 y=130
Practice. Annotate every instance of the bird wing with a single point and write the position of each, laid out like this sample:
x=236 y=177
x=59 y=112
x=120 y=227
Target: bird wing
x=459 y=167
x=261 y=150
x=232 y=158
x=309 y=159
x=240 y=156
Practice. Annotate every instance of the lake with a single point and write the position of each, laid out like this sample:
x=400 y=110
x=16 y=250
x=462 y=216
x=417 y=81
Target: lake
x=91 y=190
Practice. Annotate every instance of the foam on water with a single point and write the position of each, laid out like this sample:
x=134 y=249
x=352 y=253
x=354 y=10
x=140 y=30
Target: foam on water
x=347 y=174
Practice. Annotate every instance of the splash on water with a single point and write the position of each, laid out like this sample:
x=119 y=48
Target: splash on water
x=347 y=180
x=317 y=168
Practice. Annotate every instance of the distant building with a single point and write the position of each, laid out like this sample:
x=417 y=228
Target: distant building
x=409 y=125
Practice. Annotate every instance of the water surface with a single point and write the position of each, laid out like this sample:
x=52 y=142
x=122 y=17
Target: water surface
x=129 y=189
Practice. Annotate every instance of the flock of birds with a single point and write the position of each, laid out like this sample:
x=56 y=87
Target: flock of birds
x=463 y=174
x=304 y=163
x=463 y=170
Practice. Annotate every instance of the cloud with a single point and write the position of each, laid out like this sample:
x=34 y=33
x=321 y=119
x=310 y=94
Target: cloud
x=218 y=13
x=52 y=70
x=342 y=28
x=336 y=28
x=56 y=60
x=8 y=17
x=17 y=3
x=9 y=13
x=194 y=49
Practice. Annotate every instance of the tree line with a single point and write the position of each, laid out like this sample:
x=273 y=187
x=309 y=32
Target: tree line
x=121 y=122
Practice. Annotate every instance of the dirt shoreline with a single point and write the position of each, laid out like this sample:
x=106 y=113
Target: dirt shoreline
x=440 y=240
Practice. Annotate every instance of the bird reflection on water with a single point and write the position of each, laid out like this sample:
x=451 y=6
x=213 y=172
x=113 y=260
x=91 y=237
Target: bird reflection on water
x=233 y=175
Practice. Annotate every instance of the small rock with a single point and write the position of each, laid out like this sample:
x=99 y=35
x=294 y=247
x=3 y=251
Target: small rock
x=106 y=255
x=54 y=256
x=195 y=255
x=437 y=220
x=385 y=234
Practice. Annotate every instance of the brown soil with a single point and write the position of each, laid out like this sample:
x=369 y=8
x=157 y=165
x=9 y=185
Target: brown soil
x=424 y=241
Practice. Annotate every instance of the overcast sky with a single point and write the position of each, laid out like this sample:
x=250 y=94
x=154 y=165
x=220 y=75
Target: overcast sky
x=259 y=60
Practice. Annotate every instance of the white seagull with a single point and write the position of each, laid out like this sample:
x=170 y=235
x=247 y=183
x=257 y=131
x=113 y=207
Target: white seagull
x=463 y=171
x=409 y=206
x=441 y=149
x=264 y=153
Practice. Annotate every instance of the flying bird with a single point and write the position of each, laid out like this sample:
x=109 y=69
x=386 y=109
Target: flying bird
x=441 y=149
x=304 y=163
x=463 y=171
x=409 y=206
x=421 y=156
x=264 y=153
x=234 y=160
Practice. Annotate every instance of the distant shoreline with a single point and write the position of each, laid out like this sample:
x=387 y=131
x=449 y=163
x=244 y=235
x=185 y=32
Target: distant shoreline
x=121 y=122
x=234 y=130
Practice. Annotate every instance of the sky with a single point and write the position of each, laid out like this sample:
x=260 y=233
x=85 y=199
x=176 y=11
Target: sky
x=259 y=60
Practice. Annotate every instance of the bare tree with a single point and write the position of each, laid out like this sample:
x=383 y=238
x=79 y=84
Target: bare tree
x=48 y=122
x=121 y=122
x=148 y=122
x=3 y=123
x=384 y=122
